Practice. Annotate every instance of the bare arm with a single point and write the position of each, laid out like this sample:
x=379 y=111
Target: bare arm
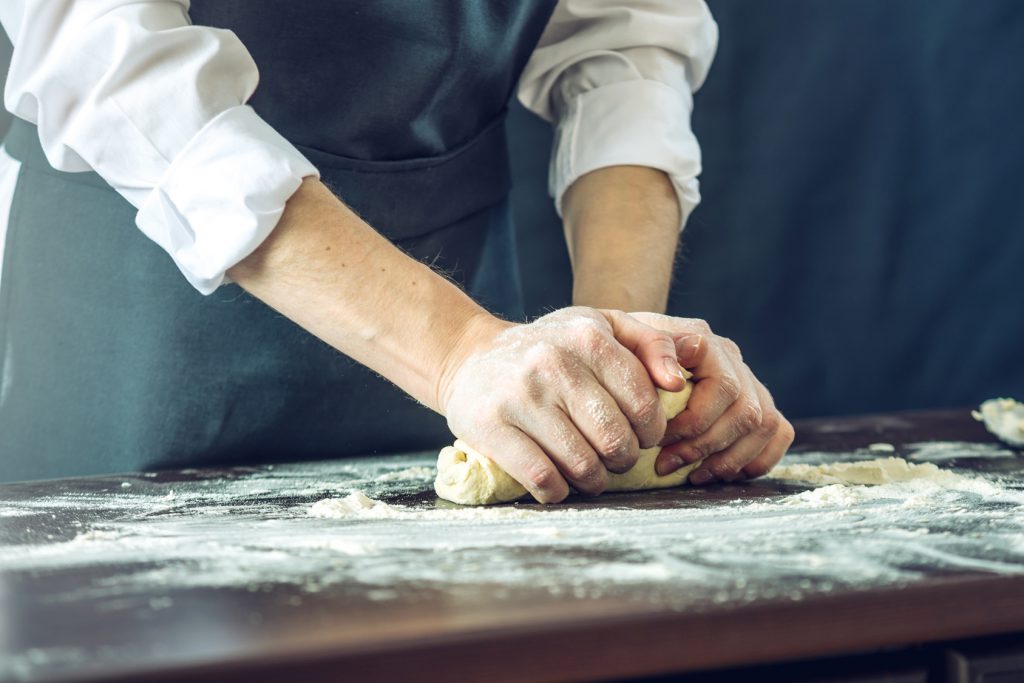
x=327 y=270
x=622 y=228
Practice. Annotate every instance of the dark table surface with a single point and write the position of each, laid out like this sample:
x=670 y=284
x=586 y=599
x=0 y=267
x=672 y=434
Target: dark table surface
x=226 y=574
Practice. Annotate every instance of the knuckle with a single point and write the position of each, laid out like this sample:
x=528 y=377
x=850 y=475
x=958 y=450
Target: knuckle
x=621 y=463
x=701 y=326
x=725 y=470
x=788 y=432
x=701 y=449
x=750 y=417
x=536 y=391
x=771 y=424
x=648 y=410
x=756 y=469
x=729 y=386
x=545 y=363
x=589 y=476
x=589 y=331
x=590 y=339
x=547 y=497
x=614 y=443
x=584 y=467
x=731 y=346
x=543 y=478
x=538 y=355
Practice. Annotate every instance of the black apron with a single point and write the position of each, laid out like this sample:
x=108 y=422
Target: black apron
x=112 y=362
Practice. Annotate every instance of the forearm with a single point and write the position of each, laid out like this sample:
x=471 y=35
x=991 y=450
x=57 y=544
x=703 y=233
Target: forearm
x=622 y=229
x=325 y=269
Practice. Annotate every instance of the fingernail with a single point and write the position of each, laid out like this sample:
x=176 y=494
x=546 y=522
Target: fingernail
x=669 y=465
x=701 y=477
x=673 y=370
x=688 y=345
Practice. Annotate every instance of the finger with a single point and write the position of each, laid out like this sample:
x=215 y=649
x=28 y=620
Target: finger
x=528 y=464
x=599 y=419
x=625 y=379
x=572 y=454
x=772 y=453
x=655 y=349
x=717 y=386
x=752 y=456
x=728 y=465
x=687 y=333
x=691 y=349
x=741 y=419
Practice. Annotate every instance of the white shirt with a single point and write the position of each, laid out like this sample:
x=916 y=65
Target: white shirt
x=156 y=106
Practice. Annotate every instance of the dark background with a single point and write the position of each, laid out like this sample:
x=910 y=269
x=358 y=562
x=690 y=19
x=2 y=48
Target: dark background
x=861 y=234
x=862 y=230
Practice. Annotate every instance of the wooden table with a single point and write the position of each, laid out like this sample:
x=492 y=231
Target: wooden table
x=222 y=575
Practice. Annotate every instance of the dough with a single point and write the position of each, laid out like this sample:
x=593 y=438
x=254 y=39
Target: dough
x=1003 y=417
x=467 y=477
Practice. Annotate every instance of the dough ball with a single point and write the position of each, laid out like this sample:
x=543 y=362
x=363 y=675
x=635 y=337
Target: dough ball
x=468 y=477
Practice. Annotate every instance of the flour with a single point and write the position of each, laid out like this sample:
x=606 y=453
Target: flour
x=908 y=493
x=357 y=505
x=407 y=474
x=878 y=471
x=938 y=451
x=373 y=529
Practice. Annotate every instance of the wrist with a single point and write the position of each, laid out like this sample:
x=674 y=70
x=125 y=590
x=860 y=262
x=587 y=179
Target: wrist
x=475 y=334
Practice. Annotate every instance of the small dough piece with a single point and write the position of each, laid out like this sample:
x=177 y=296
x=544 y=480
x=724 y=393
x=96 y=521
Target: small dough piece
x=1004 y=417
x=468 y=477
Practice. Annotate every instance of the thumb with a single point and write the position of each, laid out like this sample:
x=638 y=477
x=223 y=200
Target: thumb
x=690 y=350
x=655 y=349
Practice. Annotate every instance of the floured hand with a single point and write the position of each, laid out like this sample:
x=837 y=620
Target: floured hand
x=564 y=400
x=731 y=424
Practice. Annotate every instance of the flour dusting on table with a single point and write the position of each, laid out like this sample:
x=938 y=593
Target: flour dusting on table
x=368 y=526
x=874 y=472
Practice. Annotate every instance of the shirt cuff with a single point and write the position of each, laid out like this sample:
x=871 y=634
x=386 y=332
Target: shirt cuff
x=222 y=195
x=635 y=123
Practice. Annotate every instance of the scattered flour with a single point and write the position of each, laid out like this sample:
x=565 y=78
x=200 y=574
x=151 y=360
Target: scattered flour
x=408 y=474
x=373 y=526
x=938 y=451
x=905 y=494
x=355 y=504
x=871 y=472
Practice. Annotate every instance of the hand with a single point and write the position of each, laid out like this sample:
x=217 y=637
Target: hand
x=563 y=400
x=731 y=422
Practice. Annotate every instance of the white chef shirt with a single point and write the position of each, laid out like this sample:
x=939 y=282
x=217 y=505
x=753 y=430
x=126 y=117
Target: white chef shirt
x=156 y=106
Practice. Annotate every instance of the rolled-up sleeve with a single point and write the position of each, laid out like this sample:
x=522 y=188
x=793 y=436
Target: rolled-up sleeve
x=155 y=106
x=616 y=78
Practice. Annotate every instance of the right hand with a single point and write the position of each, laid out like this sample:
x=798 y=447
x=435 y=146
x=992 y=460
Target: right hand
x=560 y=401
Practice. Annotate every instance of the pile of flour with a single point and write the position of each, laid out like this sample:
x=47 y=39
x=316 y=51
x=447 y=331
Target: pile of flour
x=865 y=472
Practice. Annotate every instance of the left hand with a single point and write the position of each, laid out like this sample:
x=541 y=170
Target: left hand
x=731 y=422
